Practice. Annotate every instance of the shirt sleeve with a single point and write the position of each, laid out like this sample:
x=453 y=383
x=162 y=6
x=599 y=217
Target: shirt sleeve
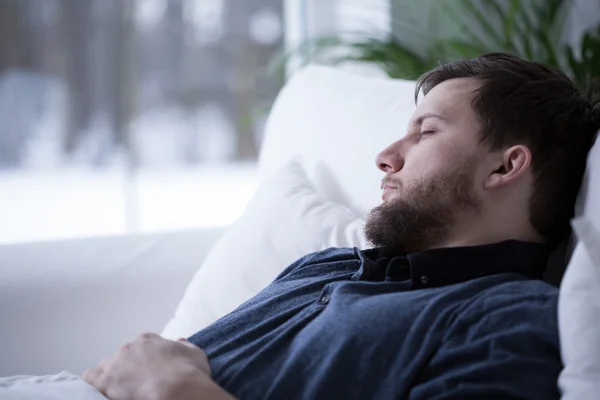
x=497 y=349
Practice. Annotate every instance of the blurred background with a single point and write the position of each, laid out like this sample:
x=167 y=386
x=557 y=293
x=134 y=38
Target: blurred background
x=129 y=116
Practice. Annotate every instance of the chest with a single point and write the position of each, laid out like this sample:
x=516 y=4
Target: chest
x=327 y=328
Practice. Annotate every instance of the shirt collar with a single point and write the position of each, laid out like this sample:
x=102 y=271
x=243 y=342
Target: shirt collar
x=446 y=266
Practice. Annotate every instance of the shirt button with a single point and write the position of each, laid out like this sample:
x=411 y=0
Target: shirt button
x=424 y=280
x=325 y=299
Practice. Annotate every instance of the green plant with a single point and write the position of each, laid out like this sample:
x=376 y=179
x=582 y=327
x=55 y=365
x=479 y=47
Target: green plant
x=385 y=51
x=586 y=66
x=396 y=59
x=531 y=29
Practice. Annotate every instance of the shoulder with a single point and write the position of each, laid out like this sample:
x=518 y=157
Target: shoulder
x=515 y=294
x=323 y=257
x=526 y=306
x=501 y=343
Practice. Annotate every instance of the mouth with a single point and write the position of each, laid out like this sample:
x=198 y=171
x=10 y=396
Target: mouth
x=387 y=191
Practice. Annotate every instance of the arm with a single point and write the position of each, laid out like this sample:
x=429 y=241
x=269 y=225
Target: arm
x=506 y=351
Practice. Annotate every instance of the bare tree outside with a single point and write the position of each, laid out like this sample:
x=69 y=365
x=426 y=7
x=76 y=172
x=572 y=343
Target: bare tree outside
x=142 y=82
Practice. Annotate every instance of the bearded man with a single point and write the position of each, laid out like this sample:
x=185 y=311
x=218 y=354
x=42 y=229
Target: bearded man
x=449 y=304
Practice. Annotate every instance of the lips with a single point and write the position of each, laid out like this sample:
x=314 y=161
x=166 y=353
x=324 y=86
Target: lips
x=387 y=191
x=387 y=186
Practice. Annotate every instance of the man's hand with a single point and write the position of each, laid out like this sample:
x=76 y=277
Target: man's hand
x=153 y=368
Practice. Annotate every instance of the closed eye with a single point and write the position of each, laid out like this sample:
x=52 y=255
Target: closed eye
x=423 y=133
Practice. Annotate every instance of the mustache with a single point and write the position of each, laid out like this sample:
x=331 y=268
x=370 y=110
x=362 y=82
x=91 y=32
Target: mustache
x=389 y=181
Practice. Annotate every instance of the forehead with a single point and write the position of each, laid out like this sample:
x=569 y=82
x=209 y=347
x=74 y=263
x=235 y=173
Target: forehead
x=451 y=99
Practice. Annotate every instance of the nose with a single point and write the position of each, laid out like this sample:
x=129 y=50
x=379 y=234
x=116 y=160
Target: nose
x=390 y=159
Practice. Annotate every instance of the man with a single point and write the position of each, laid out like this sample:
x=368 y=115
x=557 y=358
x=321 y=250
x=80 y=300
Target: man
x=450 y=303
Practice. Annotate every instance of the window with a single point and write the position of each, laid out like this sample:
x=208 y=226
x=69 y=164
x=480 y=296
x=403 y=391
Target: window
x=131 y=116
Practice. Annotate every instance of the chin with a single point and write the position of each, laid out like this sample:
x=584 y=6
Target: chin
x=388 y=196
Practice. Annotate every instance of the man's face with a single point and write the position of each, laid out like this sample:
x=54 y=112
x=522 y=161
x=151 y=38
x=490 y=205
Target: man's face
x=432 y=174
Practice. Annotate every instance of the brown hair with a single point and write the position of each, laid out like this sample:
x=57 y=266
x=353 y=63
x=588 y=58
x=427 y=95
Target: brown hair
x=530 y=103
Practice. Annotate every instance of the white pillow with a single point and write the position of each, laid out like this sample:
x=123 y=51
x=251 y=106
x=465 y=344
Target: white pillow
x=579 y=298
x=286 y=219
x=579 y=317
x=341 y=120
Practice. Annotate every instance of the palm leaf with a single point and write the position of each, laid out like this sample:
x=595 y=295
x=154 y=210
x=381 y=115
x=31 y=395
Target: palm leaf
x=525 y=28
x=394 y=58
x=587 y=67
x=506 y=21
x=474 y=14
x=463 y=49
x=397 y=60
x=577 y=69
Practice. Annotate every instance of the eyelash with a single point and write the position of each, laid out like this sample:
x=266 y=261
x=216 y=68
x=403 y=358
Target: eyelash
x=422 y=133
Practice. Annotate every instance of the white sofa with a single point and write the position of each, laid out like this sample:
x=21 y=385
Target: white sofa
x=64 y=305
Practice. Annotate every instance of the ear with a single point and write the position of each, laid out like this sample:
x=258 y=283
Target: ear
x=509 y=167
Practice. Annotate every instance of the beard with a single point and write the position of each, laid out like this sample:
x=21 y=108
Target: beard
x=422 y=215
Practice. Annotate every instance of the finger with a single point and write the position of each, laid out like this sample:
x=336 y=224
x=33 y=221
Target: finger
x=103 y=364
x=148 y=336
x=96 y=378
x=92 y=376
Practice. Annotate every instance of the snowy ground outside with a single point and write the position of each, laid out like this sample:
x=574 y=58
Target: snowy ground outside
x=49 y=195
x=69 y=203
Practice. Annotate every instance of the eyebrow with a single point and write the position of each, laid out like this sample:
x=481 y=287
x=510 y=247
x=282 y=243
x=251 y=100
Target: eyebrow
x=419 y=120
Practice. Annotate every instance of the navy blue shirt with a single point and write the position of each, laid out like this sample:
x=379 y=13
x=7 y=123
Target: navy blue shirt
x=455 y=323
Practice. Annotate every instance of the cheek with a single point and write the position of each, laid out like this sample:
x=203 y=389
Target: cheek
x=429 y=161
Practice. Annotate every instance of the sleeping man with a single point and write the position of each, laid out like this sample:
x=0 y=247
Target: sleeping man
x=449 y=303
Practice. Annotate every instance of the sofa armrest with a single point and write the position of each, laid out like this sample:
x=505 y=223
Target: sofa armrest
x=64 y=305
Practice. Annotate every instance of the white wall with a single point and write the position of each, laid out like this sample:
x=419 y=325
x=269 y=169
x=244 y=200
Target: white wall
x=362 y=15
x=313 y=18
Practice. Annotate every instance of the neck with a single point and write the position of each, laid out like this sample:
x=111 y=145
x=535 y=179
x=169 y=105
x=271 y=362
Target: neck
x=480 y=231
